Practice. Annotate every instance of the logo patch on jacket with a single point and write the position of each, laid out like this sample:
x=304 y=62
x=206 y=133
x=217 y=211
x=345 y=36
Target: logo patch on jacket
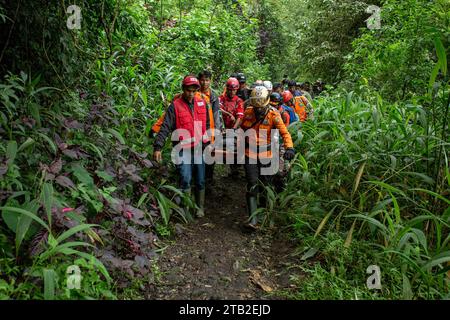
x=200 y=104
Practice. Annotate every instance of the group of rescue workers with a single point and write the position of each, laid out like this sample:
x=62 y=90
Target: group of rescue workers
x=261 y=107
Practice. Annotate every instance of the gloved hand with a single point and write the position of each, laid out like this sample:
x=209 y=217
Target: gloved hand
x=289 y=154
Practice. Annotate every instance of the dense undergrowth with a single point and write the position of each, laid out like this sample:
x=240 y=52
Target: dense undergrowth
x=369 y=185
x=366 y=189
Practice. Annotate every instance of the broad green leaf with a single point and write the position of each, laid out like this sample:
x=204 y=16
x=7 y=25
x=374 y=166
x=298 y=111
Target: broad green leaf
x=309 y=254
x=47 y=200
x=323 y=222
x=49 y=284
x=163 y=206
x=35 y=113
x=370 y=220
x=432 y=193
x=89 y=257
x=52 y=145
x=117 y=135
x=398 y=217
x=24 y=223
x=172 y=188
x=407 y=292
x=26 y=144
x=387 y=187
x=437 y=260
x=11 y=152
x=74 y=230
x=104 y=175
x=142 y=199
x=27 y=213
x=423 y=177
x=442 y=55
x=83 y=175
x=62 y=249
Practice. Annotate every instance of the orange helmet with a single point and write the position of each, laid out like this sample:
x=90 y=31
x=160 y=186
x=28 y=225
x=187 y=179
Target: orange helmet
x=232 y=84
x=287 y=96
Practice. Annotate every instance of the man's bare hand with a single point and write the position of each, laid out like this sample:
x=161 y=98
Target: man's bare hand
x=157 y=156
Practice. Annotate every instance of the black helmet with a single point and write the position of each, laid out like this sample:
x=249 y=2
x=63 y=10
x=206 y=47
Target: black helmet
x=291 y=83
x=241 y=78
x=275 y=97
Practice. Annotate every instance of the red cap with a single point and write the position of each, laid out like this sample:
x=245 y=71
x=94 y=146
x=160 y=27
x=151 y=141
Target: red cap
x=190 y=81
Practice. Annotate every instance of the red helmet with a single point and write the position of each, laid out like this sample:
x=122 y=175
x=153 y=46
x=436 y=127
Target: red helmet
x=287 y=96
x=190 y=81
x=232 y=84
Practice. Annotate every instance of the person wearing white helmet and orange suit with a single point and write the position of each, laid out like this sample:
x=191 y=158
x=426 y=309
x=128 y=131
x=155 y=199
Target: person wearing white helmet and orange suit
x=262 y=118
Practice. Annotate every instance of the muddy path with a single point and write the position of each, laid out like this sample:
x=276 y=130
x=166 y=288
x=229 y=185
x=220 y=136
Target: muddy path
x=215 y=258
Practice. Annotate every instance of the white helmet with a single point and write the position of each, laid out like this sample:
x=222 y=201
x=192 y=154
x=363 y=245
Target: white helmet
x=259 y=97
x=268 y=85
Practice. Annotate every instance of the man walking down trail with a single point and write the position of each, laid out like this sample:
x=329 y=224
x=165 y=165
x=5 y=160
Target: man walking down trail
x=301 y=104
x=232 y=108
x=261 y=118
x=212 y=100
x=181 y=114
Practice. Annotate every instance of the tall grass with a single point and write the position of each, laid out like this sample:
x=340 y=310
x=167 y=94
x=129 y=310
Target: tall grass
x=365 y=169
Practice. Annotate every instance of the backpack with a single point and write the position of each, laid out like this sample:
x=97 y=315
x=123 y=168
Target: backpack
x=293 y=117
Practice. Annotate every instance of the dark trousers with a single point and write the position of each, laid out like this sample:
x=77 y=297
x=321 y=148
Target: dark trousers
x=209 y=173
x=252 y=175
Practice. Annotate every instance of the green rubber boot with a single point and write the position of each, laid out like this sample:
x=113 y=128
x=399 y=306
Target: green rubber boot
x=252 y=206
x=200 y=201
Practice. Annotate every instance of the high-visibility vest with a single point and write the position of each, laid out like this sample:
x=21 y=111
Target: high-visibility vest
x=210 y=112
x=300 y=103
x=157 y=125
x=185 y=117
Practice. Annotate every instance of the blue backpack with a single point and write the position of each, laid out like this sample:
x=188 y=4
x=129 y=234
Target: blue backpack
x=292 y=115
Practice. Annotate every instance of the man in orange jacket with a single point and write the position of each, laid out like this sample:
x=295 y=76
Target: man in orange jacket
x=259 y=120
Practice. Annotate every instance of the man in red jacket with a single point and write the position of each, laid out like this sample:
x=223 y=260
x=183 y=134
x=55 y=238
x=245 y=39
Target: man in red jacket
x=232 y=108
x=188 y=115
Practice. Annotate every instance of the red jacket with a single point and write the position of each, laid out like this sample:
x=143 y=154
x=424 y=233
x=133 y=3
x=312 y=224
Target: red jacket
x=235 y=106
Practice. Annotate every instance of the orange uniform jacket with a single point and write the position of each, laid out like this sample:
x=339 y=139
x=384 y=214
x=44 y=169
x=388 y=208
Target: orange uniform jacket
x=263 y=128
x=300 y=104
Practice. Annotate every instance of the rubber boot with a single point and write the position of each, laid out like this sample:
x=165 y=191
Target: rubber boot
x=252 y=206
x=200 y=201
x=185 y=207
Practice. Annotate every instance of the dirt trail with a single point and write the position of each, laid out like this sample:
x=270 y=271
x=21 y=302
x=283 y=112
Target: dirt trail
x=214 y=258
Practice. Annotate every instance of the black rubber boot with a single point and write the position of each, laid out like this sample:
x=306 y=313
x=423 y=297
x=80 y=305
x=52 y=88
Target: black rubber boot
x=200 y=201
x=252 y=206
